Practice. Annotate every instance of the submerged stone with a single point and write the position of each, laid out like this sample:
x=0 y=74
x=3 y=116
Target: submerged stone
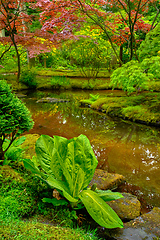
x=105 y=180
x=127 y=208
x=51 y=100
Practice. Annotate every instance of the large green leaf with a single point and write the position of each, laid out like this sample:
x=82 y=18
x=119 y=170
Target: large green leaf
x=70 y=161
x=100 y=211
x=44 y=147
x=56 y=202
x=108 y=195
x=31 y=166
x=58 y=156
x=61 y=186
x=85 y=157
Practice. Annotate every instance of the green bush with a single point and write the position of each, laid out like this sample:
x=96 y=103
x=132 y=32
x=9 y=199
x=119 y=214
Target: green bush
x=15 y=118
x=28 y=77
x=152 y=67
x=150 y=46
x=130 y=77
x=58 y=82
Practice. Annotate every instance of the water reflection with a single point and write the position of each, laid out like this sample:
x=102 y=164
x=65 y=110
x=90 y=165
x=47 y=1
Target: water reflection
x=122 y=147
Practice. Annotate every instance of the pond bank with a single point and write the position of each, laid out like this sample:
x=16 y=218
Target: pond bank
x=143 y=108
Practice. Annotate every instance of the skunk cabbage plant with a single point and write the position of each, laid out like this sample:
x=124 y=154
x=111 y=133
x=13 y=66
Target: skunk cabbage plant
x=68 y=166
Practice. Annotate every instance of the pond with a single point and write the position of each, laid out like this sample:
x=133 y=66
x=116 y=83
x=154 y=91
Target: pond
x=120 y=146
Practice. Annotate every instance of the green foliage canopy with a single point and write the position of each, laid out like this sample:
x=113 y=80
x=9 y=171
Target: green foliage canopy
x=150 y=46
x=134 y=76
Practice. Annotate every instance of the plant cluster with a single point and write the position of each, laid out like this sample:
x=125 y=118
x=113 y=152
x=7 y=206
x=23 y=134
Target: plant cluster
x=150 y=46
x=68 y=166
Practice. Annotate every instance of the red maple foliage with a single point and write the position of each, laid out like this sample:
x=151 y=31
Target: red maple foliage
x=58 y=24
x=61 y=18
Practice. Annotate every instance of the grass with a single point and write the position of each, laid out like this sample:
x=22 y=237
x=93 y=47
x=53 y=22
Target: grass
x=18 y=229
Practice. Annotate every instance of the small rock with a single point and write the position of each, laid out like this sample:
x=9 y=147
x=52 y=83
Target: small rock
x=105 y=180
x=127 y=208
x=145 y=227
x=21 y=95
x=51 y=100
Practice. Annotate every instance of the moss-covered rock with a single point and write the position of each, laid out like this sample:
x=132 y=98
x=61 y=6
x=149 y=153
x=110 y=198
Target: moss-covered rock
x=143 y=108
x=29 y=145
x=105 y=180
x=127 y=208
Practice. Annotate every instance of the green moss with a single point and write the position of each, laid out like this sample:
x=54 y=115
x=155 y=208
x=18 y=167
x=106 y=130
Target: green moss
x=140 y=113
x=29 y=145
x=16 y=229
x=8 y=174
x=144 y=107
x=109 y=103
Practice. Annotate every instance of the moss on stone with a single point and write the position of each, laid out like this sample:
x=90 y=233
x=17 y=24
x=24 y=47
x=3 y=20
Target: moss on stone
x=29 y=145
x=127 y=208
x=105 y=180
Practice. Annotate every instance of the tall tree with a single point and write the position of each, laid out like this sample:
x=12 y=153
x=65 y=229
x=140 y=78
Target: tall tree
x=120 y=19
x=14 y=21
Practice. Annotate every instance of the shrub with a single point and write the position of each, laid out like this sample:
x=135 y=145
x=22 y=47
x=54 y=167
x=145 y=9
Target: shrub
x=58 y=82
x=150 y=46
x=152 y=67
x=130 y=77
x=28 y=77
x=15 y=118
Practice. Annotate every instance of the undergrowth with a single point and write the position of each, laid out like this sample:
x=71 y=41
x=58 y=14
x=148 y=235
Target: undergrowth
x=23 y=215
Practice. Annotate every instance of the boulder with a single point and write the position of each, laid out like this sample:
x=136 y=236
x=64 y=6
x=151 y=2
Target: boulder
x=144 y=227
x=105 y=180
x=127 y=208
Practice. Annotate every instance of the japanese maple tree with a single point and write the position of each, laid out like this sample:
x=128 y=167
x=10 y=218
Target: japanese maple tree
x=119 y=20
x=15 y=20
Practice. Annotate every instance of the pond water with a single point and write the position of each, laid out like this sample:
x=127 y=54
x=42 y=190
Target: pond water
x=123 y=147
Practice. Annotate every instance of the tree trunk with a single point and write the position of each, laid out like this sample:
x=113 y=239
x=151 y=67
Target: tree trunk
x=1 y=152
x=121 y=54
x=18 y=58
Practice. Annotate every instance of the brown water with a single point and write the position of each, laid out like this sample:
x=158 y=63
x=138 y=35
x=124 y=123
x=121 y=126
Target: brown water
x=127 y=148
